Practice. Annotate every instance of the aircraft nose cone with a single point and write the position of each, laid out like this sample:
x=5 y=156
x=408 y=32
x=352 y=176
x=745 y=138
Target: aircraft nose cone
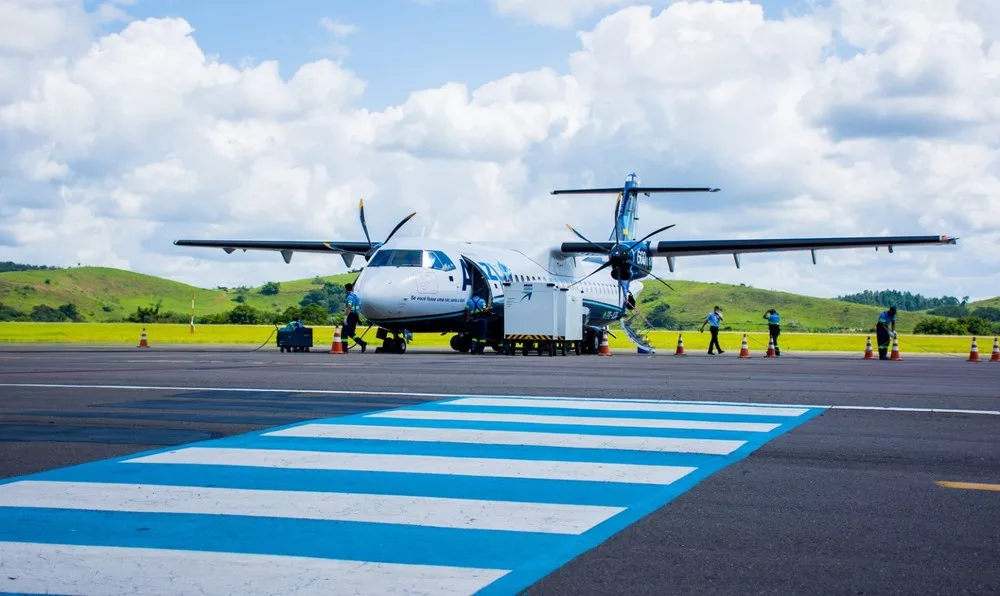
x=381 y=300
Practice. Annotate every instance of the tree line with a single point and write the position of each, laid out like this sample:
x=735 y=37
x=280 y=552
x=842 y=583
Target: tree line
x=901 y=300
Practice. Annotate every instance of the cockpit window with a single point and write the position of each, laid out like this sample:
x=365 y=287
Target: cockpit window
x=406 y=258
x=426 y=259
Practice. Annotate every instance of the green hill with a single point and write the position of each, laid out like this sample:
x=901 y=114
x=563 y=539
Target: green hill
x=102 y=294
x=989 y=302
x=743 y=308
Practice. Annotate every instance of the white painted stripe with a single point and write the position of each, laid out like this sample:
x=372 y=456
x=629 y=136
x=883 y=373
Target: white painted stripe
x=421 y=464
x=372 y=508
x=98 y=570
x=452 y=395
x=508 y=437
x=628 y=406
x=754 y=427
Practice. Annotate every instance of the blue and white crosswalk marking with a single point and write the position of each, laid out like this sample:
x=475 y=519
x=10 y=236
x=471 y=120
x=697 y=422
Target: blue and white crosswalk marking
x=464 y=495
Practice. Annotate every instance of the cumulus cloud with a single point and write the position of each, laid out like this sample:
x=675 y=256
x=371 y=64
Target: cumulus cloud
x=555 y=13
x=859 y=118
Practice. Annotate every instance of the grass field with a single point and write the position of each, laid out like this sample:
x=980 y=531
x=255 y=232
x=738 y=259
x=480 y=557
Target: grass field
x=127 y=334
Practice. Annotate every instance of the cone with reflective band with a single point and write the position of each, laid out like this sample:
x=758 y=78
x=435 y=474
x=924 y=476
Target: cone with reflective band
x=604 y=350
x=869 y=354
x=744 y=349
x=895 y=350
x=143 y=341
x=974 y=352
x=337 y=347
x=996 y=351
x=680 y=345
x=770 y=348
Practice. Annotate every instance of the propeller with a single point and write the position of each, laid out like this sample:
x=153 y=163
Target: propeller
x=620 y=256
x=364 y=226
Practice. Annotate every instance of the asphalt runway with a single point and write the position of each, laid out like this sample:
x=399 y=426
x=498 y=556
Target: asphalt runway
x=846 y=492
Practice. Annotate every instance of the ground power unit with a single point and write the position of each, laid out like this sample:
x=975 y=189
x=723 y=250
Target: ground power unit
x=542 y=317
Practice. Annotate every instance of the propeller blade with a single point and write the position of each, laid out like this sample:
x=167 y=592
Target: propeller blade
x=399 y=225
x=608 y=264
x=654 y=276
x=618 y=202
x=585 y=239
x=651 y=234
x=364 y=226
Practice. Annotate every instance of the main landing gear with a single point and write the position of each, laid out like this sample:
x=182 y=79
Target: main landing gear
x=462 y=342
x=395 y=344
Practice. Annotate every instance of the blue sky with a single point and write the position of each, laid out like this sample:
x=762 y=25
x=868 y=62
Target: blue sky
x=399 y=46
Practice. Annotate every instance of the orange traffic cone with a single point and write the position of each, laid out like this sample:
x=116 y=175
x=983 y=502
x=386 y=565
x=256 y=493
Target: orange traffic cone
x=869 y=354
x=745 y=349
x=996 y=351
x=337 y=347
x=604 y=350
x=770 y=348
x=974 y=352
x=680 y=345
x=895 y=349
x=143 y=342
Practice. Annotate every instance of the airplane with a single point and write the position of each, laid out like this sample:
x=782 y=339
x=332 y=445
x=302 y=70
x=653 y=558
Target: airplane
x=413 y=285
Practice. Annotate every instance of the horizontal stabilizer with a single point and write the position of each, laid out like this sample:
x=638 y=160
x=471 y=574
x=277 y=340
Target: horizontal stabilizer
x=634 y=190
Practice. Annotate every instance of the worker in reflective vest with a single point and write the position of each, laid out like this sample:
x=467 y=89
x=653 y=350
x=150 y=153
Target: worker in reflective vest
x=774 y=328
x=352 y=312
x=475 y=316
x=886 y=321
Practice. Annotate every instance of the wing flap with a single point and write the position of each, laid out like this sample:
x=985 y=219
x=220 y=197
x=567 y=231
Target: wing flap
x=286 y=247
x=682 y=248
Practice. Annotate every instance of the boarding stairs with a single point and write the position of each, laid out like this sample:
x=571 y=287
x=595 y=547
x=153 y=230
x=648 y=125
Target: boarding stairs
x=636 y=328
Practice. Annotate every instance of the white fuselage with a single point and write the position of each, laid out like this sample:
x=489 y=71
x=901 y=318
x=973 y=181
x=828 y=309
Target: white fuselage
x=420 y=284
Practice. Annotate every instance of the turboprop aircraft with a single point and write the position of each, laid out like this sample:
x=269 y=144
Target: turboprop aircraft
x=421 y=285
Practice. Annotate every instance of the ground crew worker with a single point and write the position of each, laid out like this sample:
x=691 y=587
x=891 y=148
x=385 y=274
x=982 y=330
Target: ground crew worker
x=774 y=328
x=352 y=312
x=886 y=320
x=475 y=316
x=714 y=319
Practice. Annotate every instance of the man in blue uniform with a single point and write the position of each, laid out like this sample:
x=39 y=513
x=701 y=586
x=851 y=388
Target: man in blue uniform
x=475 y=316
x=352 y=312
x=886 y=321
x=714 y=319
x=774 y=328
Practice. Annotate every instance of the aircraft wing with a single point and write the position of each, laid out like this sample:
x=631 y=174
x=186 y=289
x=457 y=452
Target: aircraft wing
x=687 y=248
x=347 y=250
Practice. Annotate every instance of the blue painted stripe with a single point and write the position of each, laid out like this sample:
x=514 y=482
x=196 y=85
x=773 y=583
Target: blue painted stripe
x=707 y=417
x=527 y=452
x=527 y=490
x=384 y=543
x=547 y=427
